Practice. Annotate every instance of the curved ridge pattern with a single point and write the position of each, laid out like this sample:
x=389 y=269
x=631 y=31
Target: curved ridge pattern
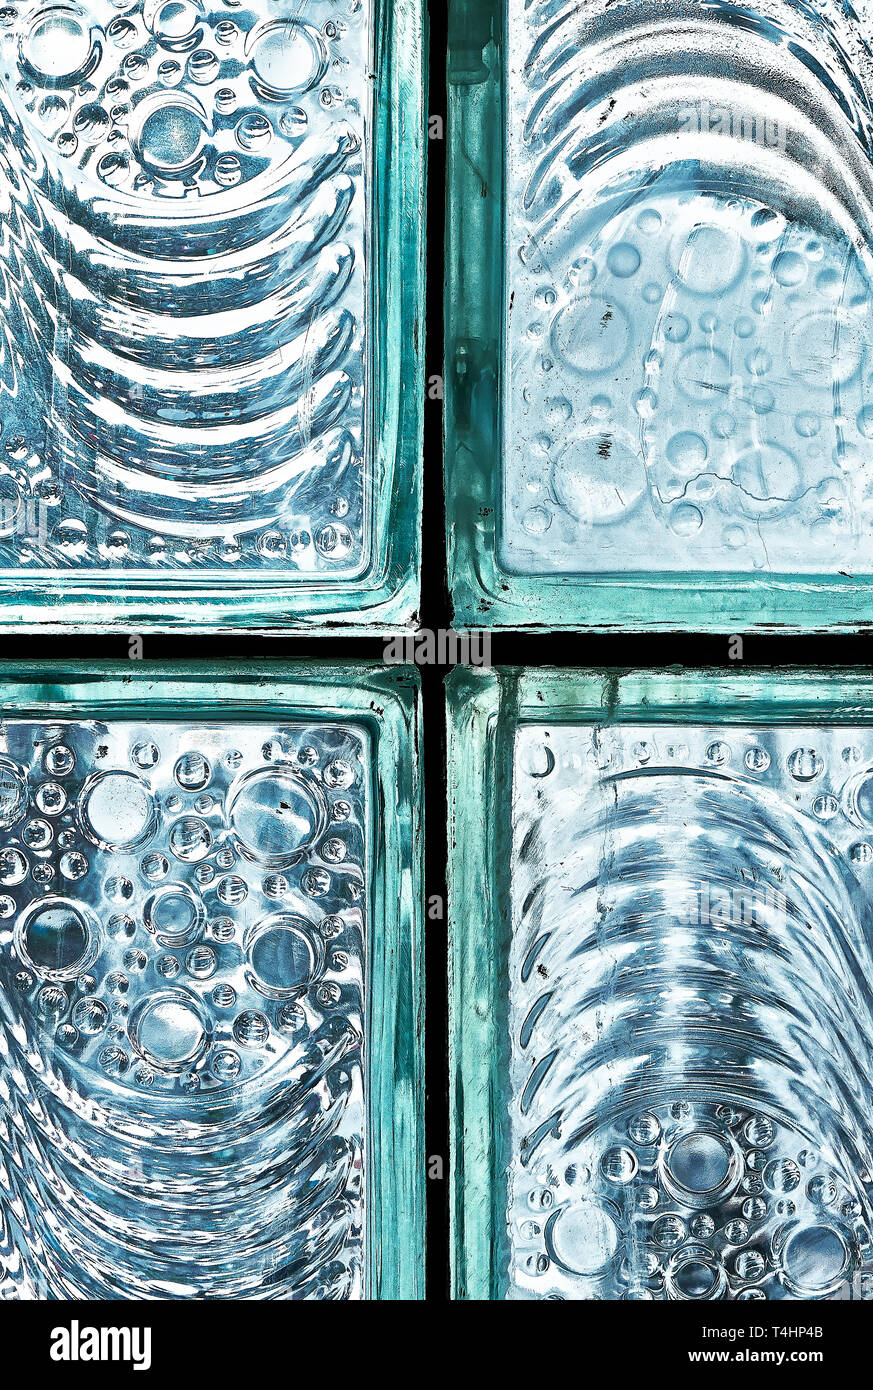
x=691 y=1005
x=688 y=288
x=182 y=285
x=181 y=1012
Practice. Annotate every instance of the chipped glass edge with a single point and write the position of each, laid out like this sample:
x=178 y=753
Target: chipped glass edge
x=384 y=706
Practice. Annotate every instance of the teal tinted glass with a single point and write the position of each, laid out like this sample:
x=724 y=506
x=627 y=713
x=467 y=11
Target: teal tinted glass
x=209 y=987
x=208 y=252
x=659 y=314
x=661 y=959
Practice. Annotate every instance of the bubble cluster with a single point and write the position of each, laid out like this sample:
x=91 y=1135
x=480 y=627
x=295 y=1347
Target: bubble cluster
x=198 y=962
x=676 y=1209
x=685 y=909
x=688 y=342
x=166 y=1013
x=200 y=175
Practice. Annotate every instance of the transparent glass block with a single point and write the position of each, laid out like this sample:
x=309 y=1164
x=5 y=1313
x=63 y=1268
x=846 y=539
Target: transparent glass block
x=677 y=338
x=192 y=301
x=187 y=962
x=683 y=993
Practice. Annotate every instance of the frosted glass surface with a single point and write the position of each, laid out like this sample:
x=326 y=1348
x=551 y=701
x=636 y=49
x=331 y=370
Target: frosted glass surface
x=690 y=1016
x=182 y=995
x=688 y=330
x=183 y=277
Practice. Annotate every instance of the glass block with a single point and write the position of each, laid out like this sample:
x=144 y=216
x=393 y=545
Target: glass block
x=660 y=321
x=662 y=1009
x=198 y=910
x=208 y=250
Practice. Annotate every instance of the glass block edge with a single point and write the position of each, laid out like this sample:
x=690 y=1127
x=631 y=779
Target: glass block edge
x=386 y=703
x=386 y=594
x=484 y=593
x=485 y=708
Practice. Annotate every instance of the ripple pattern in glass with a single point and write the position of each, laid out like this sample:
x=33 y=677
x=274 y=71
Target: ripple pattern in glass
x=691 y=1014
x=181 y=1011
x=182 y=286
x=688 y=288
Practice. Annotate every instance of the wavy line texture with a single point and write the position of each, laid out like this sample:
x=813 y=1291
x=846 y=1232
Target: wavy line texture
x=182 y=285
x=181 y=1012
x=689 y=318
x=691 y=1014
